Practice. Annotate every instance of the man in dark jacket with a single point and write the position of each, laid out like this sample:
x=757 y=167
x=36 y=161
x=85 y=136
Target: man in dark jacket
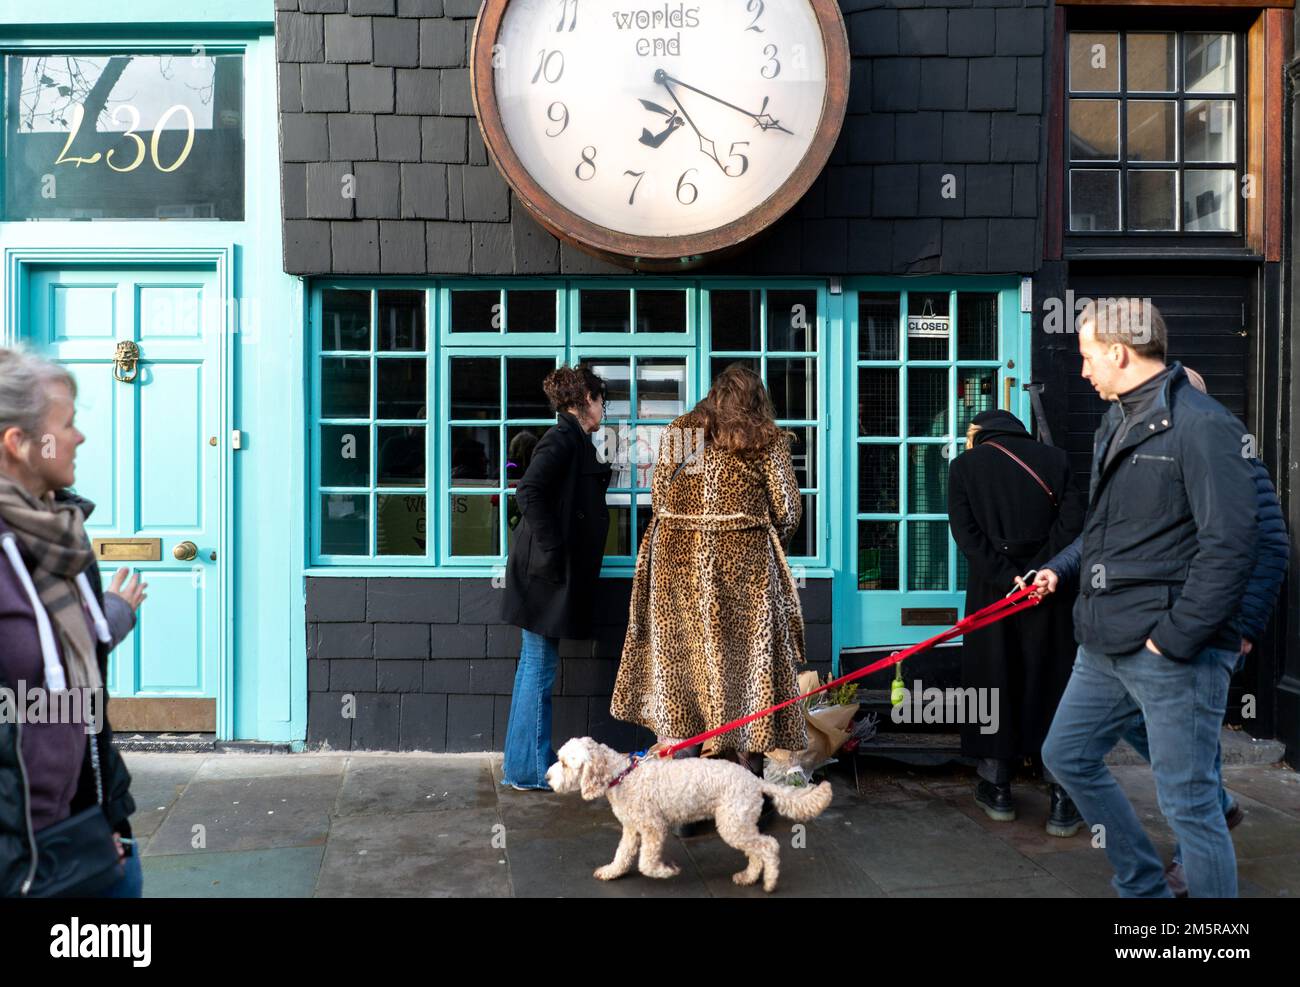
x=1167 y=550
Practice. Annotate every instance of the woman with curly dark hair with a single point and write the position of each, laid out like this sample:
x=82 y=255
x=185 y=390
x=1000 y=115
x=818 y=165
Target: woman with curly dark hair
x=715 y=629
x=554 y=563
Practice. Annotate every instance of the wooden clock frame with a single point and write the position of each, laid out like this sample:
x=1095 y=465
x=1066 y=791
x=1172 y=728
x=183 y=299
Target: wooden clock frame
x=657 y=253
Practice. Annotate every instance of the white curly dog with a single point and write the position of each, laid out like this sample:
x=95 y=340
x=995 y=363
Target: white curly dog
x=660 y=793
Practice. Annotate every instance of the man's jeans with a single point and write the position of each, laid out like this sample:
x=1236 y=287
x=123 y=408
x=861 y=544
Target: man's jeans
x=1183 y=703
x=528 y=735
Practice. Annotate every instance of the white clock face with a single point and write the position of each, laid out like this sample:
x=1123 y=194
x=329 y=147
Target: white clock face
x=658 y=118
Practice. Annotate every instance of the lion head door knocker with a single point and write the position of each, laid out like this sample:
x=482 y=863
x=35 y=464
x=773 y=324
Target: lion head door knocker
x=125 y=362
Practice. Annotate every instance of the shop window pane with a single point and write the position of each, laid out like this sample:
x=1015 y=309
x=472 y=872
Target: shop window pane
x=401 y=525
x=878 y=327
x=928 y=325
x=1210 y=63
x=1152 y=63
x=1209 y=130
x=927 y=402
x=344 y=388
x=1094 y=130
x=803 y=451
x=660 y=387
x=475 y=456
x=735 y=320
x=721 y=363
x=401 y=387
x=1152 y=201
x=1210 y=201
x=793 y=386
x=475 y=388
x=476 y=311
x=618 y=540
x=475 y=527
x=1151 y=130
x=401 y=456
x=617 y=375
x=345 y=455
x=1094 y=61
x=530 y=311
x=345 y=524
x=401 y=320
x=643 y=445
x=791 y=321
x=927 y=479
x=977 y=325
x=877 y=402
x=345 y=320
x=660 y=311
x=877 y=555
x=521 y=442
x=976 y=393
x=1094 y=200
x=927 y=555
x=877 y=479
x=605 y=311
x=804 y=541
x=524 y=395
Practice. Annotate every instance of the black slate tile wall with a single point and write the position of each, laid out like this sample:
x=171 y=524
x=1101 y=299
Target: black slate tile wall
x=426 y=664
x=946 y=97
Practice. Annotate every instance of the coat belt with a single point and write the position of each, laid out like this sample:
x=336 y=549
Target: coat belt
x=711 y=522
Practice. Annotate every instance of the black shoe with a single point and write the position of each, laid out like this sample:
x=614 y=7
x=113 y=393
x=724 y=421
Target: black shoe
x=1234 y=816
x=996 y=801
x=1064 y=820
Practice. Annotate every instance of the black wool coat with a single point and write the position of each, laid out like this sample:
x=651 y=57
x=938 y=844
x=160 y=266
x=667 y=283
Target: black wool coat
x=1005 y=524
x=556 y=555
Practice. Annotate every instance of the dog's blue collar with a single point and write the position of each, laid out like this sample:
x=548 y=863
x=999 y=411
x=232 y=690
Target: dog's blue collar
x=636 y=759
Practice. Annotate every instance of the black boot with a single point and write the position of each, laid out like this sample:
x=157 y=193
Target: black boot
x=996 y=801
x=1065 y=819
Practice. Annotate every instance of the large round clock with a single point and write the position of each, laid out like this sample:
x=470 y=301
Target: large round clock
x=658 y=134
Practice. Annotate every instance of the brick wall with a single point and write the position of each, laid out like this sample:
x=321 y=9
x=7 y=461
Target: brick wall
x=379 y=89
x=431 y=667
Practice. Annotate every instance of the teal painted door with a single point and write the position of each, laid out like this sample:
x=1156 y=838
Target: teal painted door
x=923 y=362
x=151 y=457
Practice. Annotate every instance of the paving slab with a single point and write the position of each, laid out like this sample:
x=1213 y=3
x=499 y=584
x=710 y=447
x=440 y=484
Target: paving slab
x=386 y=784
x=1275 y=785
x=285 y=873
x=560 y=864
x=157 y=781
x=1038 y=886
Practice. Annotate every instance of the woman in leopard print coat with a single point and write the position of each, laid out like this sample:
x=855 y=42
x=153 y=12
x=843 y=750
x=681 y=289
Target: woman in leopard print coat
x=715 y=629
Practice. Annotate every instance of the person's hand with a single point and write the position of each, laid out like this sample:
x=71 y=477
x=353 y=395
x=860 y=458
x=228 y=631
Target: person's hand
x=121 y=850
x=1046 y=582
x=1246 y=646
x=132 y=590
x=1151 y=646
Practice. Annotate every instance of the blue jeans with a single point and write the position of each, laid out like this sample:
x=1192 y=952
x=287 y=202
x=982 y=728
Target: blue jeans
x=1183 y=704
x=528 y=735
x=131 y=883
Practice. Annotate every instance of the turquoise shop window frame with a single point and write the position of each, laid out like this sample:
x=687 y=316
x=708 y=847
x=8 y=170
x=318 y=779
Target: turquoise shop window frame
x=632 y=337
x=501 y=337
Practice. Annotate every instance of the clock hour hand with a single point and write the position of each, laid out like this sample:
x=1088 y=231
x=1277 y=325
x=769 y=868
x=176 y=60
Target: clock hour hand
x=706 y=144
x=674 y=123
x=761 y=119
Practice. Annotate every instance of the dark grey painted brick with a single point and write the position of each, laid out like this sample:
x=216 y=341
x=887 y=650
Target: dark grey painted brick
x=588 y=676
x=401 y=247
x=455 y=195
x=313 y=640
x=1025 y=195
x=318 y=676
x=536 y=251
x=943 y=84
x=352 y=675
x=894 y=190
x=860 y=80
x=966 y=136
x=991 y=84
x=939 y=195
x=417 y=92
x=402 y=641
x=326 y=723
x=399 y=676
x=306 y=247
x=397 y=41
x=375 y=727
x=825 y=242
x=442 y=44
x=817 y=637
x=293 y=188
x=1013 y=246
x=815 y=601
x=348 y=39
x=458 y=641
x=575 y=261
x=874 y=32
x=972 y=32
x=605 y=729
x=461 y=8
x=1020 y=32
x=443 y=139
x=492 y=676
x=871 y=246
x=303 y=137
x=299 y=37
x=345 y=641
x=336 y=599
x=323 y=6
x=378 y=194
x=371 y=89
x=419 y=8
x=448 y=247
x=568 y=719
x=1015 y=138
x=871 y=138
x=326 y=184
x=486 y=195
x=480 y=601
x=1029 y=85
x=917 y=245
x=424 y=193
x=988 y=190
x=383 y=7
x=446 y=675
x=469 y=723
x=895 y=84
x=289 y=82
x=325 y=88
x=398 y=137
x=477 y=149
x=412 y=601
x=575 y=649
x=500 y=721
x=286 y=4
x=919 y=137
x=424 y=723
x=453 y=93
x=922 y=32
x=352 y=137
x=848 y=191
x=491 y=247
x=503 y=641
x=355 y=246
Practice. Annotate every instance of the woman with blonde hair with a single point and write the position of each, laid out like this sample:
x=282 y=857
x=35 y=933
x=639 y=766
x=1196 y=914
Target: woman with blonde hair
x=715 y=630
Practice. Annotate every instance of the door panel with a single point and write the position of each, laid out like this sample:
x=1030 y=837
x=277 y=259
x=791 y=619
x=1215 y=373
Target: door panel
x=147 y=462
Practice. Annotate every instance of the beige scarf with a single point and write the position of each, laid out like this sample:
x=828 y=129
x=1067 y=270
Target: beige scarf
x=52 y=536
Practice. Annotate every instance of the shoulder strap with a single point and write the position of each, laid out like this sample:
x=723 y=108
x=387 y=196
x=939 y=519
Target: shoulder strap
x=1024 y=466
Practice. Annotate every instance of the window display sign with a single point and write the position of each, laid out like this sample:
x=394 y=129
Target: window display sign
x=124 y=136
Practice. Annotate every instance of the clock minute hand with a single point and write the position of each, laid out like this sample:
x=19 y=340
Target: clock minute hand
x=761 y=118
x=706 y=144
